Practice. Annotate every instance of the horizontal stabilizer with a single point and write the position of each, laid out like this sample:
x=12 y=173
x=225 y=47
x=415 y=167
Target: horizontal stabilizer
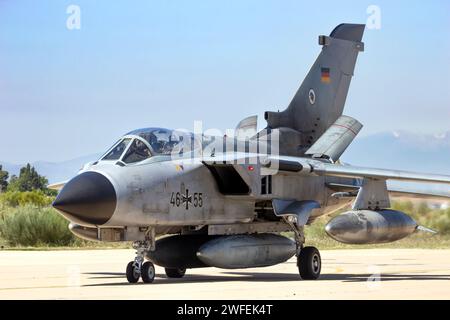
x=332 y=144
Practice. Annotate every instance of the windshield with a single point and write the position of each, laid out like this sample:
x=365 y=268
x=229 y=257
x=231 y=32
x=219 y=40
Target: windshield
x=151 y=142
x=165 y=141
x=138 y=151
x=117 y=150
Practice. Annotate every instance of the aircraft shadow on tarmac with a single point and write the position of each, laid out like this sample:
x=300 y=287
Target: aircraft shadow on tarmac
x=229 y=276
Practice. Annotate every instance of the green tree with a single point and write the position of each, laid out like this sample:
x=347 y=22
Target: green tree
x=28 y=180
x=3 y=179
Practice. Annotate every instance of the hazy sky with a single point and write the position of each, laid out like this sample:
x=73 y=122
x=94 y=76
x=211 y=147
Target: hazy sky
x=67 y=93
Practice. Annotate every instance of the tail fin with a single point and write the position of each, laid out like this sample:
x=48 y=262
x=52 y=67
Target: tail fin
x=320 y=100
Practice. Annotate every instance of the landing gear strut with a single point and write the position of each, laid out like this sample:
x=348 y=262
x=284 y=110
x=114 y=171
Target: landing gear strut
x=309 y=262
x=138 y=268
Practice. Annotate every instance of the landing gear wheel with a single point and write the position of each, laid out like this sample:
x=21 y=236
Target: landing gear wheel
x=175 y=272
x=148 y=272
x=309 y=263
x=133 y=274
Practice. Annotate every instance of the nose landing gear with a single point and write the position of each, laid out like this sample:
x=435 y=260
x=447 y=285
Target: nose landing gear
x=146 y=271
x=138 y=268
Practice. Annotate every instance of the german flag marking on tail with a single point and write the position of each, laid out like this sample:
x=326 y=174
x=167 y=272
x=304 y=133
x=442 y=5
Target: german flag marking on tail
x=325 y=75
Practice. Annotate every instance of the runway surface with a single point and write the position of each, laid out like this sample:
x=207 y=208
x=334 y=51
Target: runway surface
x=346 y=274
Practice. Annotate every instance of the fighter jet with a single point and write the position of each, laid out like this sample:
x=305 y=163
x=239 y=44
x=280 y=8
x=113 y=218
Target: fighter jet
x=188 y=200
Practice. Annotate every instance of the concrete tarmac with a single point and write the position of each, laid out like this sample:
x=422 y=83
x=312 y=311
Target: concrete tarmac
x=346 y=274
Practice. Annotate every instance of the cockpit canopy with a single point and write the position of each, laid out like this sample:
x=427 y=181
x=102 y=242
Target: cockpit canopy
x=142 y=144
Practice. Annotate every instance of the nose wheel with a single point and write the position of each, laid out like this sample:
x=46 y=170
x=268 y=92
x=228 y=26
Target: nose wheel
x=133 y=273
x=147 y=272
x=138 y=268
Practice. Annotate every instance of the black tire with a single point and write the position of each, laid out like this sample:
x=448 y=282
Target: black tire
x=133 y=275
x=309 y=263
x=175 y=272
x=148 y=272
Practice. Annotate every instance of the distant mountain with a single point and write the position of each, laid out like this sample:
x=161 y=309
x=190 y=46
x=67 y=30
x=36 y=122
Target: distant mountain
x=389 y=150
x=53 y=171
x=403 y=151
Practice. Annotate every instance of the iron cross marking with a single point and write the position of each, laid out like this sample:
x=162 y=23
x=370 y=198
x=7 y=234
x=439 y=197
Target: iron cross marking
x=187 y=198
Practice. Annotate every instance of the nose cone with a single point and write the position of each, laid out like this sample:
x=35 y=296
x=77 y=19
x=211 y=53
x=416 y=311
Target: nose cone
x=87 y=199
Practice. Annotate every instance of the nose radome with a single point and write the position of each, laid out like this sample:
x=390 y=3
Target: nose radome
x=89 y=198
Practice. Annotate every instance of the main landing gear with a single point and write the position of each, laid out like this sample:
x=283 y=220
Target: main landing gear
x=309 y=262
